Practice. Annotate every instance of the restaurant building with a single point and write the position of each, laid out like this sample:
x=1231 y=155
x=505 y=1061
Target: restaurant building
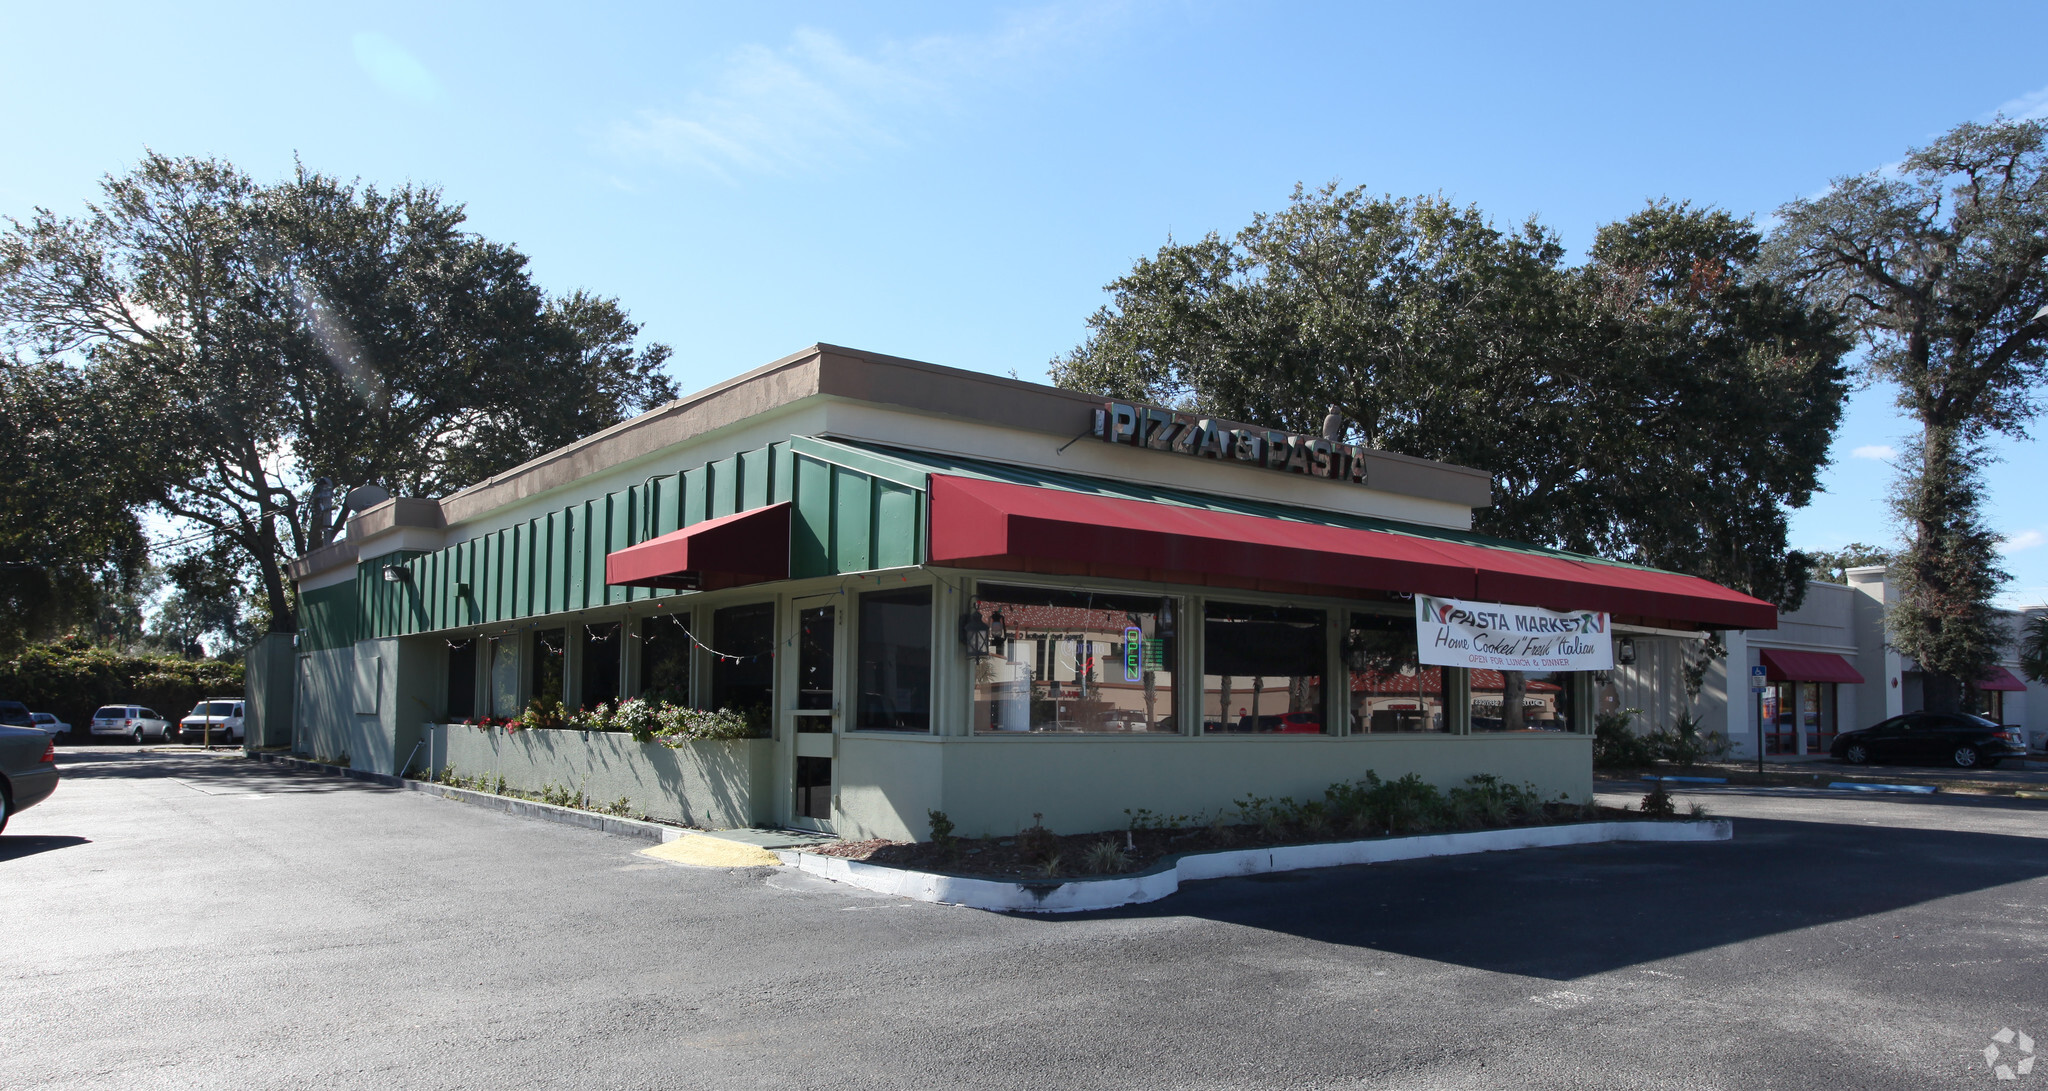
x=936 y=589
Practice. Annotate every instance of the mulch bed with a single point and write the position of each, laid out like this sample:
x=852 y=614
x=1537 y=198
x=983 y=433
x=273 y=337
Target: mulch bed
x=1005 y=858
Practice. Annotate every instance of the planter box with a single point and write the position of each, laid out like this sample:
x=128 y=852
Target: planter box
x=710 y=784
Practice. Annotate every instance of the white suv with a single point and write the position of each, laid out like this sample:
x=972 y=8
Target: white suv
x=223 y=713
x=134 y=721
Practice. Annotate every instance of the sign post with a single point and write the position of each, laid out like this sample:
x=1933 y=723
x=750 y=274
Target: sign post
x=1758 y=681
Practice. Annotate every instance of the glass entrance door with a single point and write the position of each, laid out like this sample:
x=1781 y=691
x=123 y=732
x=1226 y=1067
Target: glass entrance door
x=815 y=624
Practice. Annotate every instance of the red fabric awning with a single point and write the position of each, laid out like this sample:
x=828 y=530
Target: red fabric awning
x=1786 y=666
x=998 y=524
x=746 y=547
x=2002 y=679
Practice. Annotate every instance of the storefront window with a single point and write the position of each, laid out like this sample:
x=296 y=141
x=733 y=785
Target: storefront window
x=896 y=660
x=549 y=646
x=743 y=675
x=1391 y=691
x=1777 y=714
x=1988 y=703
x=1817 y=715
x=504 y=676
x=1262 y=669
x=665 y=649
x=1524 y=700
x=1074 y=661
x=461 y=680
x=600 y=667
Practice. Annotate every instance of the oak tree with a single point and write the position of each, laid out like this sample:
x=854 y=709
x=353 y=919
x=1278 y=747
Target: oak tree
x=1941 y=266
x=254 y=338
x=1659 y=403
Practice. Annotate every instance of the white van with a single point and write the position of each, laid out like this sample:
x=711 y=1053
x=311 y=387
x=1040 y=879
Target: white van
x=223 y=713
x=134 y=721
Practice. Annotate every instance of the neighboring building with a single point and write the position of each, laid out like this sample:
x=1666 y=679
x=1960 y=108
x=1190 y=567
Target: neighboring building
x=943 y=590
x=1827 y=669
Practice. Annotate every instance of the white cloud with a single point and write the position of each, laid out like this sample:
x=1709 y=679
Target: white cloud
x=2026 y=539
x=2028 y=107
x=398 y=72
x=777 y=110
x=1880 y=451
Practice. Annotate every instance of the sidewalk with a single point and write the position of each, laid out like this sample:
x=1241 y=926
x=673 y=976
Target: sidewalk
x=1807 y=770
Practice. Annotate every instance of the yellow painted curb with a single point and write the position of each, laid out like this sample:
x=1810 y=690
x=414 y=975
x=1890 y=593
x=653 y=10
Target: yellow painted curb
x=698 y=850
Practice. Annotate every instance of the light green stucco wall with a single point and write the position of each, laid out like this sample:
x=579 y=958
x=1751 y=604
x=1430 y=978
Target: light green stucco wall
x=993 y=786
x=886 y=784
x=713 y=785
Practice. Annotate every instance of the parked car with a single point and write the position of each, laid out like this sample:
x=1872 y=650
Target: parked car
x=222 y=714
x=134 y=721
x=1300 y=723
x=28 y=764
x=16 y=714
x=51 y=725
x=1945 y=738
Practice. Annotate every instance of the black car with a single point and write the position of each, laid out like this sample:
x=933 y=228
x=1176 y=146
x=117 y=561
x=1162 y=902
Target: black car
x=1942 y=738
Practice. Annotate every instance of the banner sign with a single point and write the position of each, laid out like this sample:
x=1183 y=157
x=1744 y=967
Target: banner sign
x=1456 y=633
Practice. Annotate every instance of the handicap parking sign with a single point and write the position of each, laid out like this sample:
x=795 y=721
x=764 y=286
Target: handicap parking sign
x=1757 y=682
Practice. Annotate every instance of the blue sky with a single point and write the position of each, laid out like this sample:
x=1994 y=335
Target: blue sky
x=956 y=183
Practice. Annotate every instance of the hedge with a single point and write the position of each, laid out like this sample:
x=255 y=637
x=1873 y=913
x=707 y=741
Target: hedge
x=72 y=678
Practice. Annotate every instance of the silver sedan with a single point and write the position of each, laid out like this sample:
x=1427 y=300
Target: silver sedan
x=28 y=769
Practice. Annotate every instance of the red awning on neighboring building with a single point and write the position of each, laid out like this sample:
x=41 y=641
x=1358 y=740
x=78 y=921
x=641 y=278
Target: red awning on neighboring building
x=747 y=547
x=1003 y=525
x=2002 y=679
x=1789 y=666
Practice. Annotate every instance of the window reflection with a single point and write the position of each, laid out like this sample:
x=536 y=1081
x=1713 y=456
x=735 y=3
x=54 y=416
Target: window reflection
x=1523 y=700
x=505 y=676
x=1262 y=669
x=1074 y=661
x=896 y=660
x=665 y=658
x=1391 y=691
x=743 y=680
x=600 y=666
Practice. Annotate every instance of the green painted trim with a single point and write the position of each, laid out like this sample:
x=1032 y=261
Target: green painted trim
x=329 y=617
x=854 y=511
x=878 y=463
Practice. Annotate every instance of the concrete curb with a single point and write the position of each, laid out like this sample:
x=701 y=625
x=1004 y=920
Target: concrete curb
x=522 y=808
x=1081 y=895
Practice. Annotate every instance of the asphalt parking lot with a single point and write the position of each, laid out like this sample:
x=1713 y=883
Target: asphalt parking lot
x=183 y=920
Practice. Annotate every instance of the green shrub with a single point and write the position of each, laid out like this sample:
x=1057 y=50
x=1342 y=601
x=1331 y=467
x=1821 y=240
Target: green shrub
x=670 y=725
x=543 y=712
x=1105 y=857
x=73 y=677
x=942 y=829
x=1038 y=844
x=1616 y=743
x=1658 y=803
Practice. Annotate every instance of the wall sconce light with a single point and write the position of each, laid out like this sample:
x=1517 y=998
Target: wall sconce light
x=394 y=573
x=974 y=633
x=1625 y=652
x=998 y=633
